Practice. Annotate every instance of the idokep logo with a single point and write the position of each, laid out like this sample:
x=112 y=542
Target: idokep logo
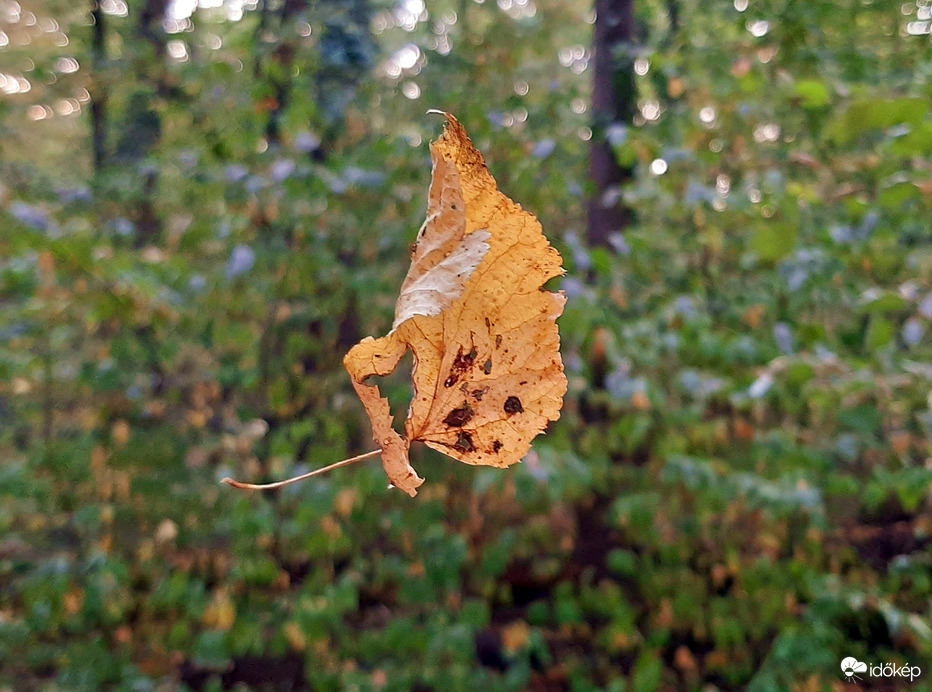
x=851 y=667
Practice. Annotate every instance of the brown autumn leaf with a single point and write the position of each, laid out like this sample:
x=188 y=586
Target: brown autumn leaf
x=488 y=376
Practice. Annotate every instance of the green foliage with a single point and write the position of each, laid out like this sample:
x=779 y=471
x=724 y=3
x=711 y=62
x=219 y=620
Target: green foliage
x=737 y=494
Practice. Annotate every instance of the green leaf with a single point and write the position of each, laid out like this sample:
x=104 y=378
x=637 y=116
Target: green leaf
x=887 y=302
x=896 y=195
x=876 y=114
x=813 y=93
x=879 y=333
x=622 y=562
x=774 y=241
x=210 y=650
x=918 y=142
x=648 y=673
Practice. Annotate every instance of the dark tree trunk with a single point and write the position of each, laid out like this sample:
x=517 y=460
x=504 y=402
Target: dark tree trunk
x=613 y=103
x=257 y=36
x=277 y=67
x=98 y=89
x=148 y=223
x=283 y=57
x=144 y=121
x=150 y=24
x=347 y=54
x=673 y=12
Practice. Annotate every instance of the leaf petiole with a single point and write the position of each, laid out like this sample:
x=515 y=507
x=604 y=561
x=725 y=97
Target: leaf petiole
x=295 y=479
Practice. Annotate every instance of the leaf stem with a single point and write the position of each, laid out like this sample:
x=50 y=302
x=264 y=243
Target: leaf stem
x=295 y=479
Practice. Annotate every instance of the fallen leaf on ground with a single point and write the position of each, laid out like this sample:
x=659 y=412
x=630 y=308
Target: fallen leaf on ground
x=487 y=374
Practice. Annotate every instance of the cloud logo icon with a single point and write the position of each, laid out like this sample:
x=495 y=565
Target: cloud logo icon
x=851 y=666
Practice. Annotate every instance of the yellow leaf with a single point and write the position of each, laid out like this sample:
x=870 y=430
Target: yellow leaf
x=220 y=613
x=46 y=264
x=515 y=636
x=166 y=532
x=488 y=376
x=640 y=400
x=120 y=432
x=675 y=88
x=295 y=636
x=345 y=501
x=74 y=600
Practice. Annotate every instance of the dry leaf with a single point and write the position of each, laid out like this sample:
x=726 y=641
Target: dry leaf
x=488 y=376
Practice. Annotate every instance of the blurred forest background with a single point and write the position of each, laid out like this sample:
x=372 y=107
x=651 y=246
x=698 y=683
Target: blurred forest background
x=203 y=205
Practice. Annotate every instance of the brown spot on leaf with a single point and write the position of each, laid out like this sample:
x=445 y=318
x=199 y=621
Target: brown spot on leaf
x=464 y=442
x=497 y=446
x=459 y=417
x=487 y=368
x=461 y=363
x=498 y=340
x=479 y=393
x=513 y=405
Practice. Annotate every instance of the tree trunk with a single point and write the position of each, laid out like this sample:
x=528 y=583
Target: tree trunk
x=150 y=25
x=144 y=120
x=98 y=89
x=613 y=104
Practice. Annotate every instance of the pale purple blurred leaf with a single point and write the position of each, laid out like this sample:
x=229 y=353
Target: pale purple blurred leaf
x=123 y=226
x=188 y=159
x=685 y=306
x=616 y=134
x=760 y=386
x=242 y=259
x=306 y=142
x=282 y=170
x=783 y=335
x=544 y=148
x=847 y=446
x=925 y=307
x=868 y=224
x=913 y=331
x=70 y=195
x=30 y=216
x=255 y=184
x=359 y=176
x=574 y=288
x=197 y=283
x=616 y=239
x=236 y=173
